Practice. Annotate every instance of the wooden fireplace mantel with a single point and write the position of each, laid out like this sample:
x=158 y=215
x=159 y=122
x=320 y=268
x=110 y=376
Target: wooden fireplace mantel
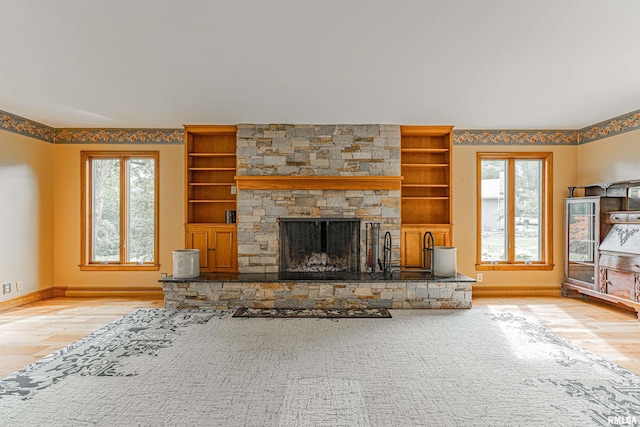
x=319 y=182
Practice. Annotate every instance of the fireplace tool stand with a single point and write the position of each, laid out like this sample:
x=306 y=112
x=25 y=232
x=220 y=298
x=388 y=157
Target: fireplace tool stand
x=427 y=252
x=385 y=264
x=373 y=248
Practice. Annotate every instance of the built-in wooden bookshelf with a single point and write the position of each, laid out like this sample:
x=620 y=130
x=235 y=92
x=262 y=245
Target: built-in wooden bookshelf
x=210 y=173
x=425 y=197
x=210 y=189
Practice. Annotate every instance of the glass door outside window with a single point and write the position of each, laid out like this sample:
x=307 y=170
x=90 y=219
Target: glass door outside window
x=581 y=240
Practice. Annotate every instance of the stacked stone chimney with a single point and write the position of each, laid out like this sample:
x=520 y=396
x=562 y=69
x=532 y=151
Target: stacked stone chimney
x=313 y=151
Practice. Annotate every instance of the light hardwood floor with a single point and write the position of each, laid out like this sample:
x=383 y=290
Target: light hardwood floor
x=608 y=331
x=32 y=331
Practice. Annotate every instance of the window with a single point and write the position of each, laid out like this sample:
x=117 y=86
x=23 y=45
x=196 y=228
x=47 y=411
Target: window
x=120 y=210
x=514 y=214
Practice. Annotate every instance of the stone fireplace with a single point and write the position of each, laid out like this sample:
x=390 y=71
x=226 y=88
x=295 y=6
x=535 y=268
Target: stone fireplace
x=319 y=177
x=312 y=172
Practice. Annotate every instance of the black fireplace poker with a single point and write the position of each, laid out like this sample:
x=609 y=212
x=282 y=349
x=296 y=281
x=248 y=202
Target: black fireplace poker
x=385 y=265
x=372 y=230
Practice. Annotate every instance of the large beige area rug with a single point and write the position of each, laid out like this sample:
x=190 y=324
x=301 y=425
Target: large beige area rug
x=420 y=368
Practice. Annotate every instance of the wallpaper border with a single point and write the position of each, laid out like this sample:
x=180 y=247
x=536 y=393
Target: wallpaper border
x=21 y=126
x=608 y=128
x=119 y=136
x=605 y=129
x=515 y=137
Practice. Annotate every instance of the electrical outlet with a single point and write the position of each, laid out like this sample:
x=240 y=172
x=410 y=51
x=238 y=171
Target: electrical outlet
x=479 y=279
x=18 y=286
x=6 y=288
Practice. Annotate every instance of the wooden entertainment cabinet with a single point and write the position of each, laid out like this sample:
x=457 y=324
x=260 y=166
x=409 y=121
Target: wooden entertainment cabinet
x=602 y=243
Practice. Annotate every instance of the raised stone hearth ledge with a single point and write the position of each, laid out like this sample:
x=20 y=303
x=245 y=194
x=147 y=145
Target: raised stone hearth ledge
x=402 y=291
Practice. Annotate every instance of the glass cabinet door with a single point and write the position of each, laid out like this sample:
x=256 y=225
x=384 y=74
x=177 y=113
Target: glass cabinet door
x=581 y=240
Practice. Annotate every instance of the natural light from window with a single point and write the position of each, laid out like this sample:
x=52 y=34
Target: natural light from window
x=122 y=195
x=514 y=206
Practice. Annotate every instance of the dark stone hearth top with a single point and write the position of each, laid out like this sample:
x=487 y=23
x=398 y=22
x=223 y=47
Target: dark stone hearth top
x=398 y=276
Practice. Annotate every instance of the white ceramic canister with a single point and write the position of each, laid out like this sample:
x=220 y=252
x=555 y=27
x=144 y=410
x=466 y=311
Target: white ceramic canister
x=444 y=261
x=186 y=263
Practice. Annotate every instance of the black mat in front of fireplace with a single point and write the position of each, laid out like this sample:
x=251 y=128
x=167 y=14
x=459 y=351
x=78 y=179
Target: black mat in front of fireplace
x=317 y=313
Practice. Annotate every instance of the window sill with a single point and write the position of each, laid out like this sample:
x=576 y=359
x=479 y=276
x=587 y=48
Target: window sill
x=119 y=267
x=514 y=267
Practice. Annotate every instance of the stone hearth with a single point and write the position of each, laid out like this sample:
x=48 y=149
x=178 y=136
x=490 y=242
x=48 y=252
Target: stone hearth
x=402 y=290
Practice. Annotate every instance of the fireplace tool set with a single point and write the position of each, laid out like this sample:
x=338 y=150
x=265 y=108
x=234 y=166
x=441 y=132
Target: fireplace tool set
x=384 y=264
x=427 y=252
x=372 y=241
x=373 y=248
x=427 y=255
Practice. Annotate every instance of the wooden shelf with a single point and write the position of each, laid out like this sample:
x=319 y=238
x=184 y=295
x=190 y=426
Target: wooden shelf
x=426 y=225
x=208 y=224
x=434 y=131
x=211 y=201
x=213 y=169
x=425 y=165
x=424 y=198
x=214 y=184
x=210 y=162
x=424 y=150
x=211 y=154
x=425 y=194
x=426 y=185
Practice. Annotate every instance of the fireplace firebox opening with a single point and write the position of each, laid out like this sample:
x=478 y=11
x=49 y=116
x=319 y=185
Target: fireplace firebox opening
x=319 y=245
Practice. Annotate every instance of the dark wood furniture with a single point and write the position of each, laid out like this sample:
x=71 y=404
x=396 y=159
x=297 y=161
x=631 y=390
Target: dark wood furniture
x=602 y=243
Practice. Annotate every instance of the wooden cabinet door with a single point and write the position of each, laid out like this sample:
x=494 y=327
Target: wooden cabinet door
x=224 y=254
x=217 y=245
x=411 y=254
x=411 y=243
x=199 y=238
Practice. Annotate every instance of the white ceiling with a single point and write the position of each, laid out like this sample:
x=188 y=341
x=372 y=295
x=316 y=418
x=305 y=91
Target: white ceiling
x=502 y=64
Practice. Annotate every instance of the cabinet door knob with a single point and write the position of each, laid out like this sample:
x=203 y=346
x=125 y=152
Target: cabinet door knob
x=212 y=249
